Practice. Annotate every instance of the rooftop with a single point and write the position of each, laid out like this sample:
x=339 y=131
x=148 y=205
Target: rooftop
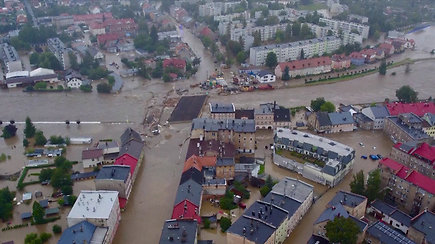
x=294 y=44
x=331 y=212
x=415 y=134
x=306 y=63
x=199 y=148
x=190 y=190
x=281 y=115
x=425 y=151
x=107 y=144
x=222 y=108
x=199 y=162
x=186 y=210
x=93 y=205
x=193 y=174
x=225 y=162
x=245 y=113
x=424 y=223
x=127 y=159
x=387 y=235
x=418 y=108
x=92 y=153
x=114 y=172
x=179 y=231
x=237 y=125
x=83 y=232
x=347 y=198
x=133 y=148
x=293 y=188
x=339 y=118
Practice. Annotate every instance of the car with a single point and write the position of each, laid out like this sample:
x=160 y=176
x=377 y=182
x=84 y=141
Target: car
x=363 y=156
x=242 y=205
x=373 y=157
x=45 y=182
x=361 y=144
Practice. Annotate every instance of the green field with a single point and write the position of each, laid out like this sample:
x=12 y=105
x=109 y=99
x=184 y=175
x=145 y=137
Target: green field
x=312 y=7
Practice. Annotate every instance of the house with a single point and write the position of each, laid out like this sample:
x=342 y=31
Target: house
x=341 y=122
x=356 y=58
x=245 y=114
x=265 y=76
x=92 y=157
x=176 y=63
x=83 y=232
x=391 y=215
x=206 y=32
x=108 y=40
x=128 y=160
x=97 y=28
x=353 y=203
x=189 y=190
x=304 y=67
x=405 y=127
x=186 y=210
x=418 y=156
x=380 y=54
x=377 y=114
x=369 y=55
x=378 y=233
x=319 y=122
x=222 y=110
x=179 y=232
x=210 y=148
x=421 y=230
x=198 y=163
x=225 y=168
x=264 y=116
x=110 y=150
x=340 y=62
x=429 y=125
x=387 y=48
x=115 y=178
x=281 y=118
x=100 y=208
x=73 y=80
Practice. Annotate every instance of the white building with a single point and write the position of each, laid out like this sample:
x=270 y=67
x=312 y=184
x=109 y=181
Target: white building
x=73 y=80
x=292 y=50
x=346 y=27
x=265 y=76
x=100 y=208
x=92 y=157
x=10 y=58
x=57 y=47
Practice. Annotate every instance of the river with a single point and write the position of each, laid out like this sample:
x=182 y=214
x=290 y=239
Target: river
x=154 y=190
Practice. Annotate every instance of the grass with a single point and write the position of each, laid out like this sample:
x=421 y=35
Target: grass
x=312 y=7
x=261 y=171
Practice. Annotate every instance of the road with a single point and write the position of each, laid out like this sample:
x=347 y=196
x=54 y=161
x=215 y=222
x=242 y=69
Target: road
x=32 y=15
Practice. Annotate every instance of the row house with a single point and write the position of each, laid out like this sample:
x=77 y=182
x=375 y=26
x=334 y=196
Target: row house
x=417 y=156
x=429 y=124
x=391 y=215
x=405 y=127
x=331 y=122
x=376 y=116
x=222 y=111
x=417 y=108
x=340 y=62
x=271 y=115
x=305 y=67
x=88 y=19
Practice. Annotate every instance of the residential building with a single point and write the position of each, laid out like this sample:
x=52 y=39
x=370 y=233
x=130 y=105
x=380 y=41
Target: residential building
x=186 y=210
x=73 y=80
x=176 y=63
x=340 y=62
x=128 y=160
x=214 y=187
x=377 y=114
x=353 y=203
x=391 y=215
x=387 y=48
x=417 y=156
x=281 y=118
x=304 y=67
x=179 y=232
x=115 y=178
x=369 y=55
x=292 y=50
x=421 y=230
x=272 y=219
x=405 y=127
x=264 y=116
x=241 y=133
x=198 y=162
x=338 y=157
x=331 y=122
x=347 y=27
x=84 y=232
x=108 y=147
x=91 y=18
x=245 y=114
x=265 y=76
x=100 y=208
x=62 y=20
x=319 y=122
x=429 y=125
x=92 y=157
x=379 y=233
x=356 y=58
x=225 y=168
x=409 y=189
x=10 y=58
x=57 y=47
x=266 y=32
x=209 y=148
x=222 y=110
x=417 y=108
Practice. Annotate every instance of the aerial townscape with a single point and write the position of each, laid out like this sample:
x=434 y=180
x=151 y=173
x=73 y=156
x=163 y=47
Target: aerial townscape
x=217 y=121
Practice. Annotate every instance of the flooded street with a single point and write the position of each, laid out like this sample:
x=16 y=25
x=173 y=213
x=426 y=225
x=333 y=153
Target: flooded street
x=154 y=190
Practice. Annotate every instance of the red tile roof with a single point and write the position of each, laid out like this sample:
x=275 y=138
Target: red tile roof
x=356 y=55
x=199 y=162
x=103 y=38
x=92 y=17
x=425 y=151
x=206 y=32
x=175 y=62
x=418 y=108
x=391 y=164
x=186 y=210
x=306 y=63
x=127 y=159
x=92 y=153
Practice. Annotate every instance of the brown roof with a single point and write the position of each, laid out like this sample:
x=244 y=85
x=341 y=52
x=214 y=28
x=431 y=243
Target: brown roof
x=92 y=153
x=244 y=113
x=222 y=149
x=306 y=63
x=198 y=162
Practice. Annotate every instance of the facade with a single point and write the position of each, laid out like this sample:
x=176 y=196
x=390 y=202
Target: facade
x=84 y=232
x=73 y=80
x=338 y=157
x=115 y=178
x=429 y=126
x=409 y=189
x=10 y=58
x=92 y=157
x=222 y=111
x=347 y=28
x=377 y=115
x=281 y=118
x=417 y=156
x=241 y=133
x=292 y=50
x=379 y=233
x=405 y=127
x=340 y=62
x=100 y=208
x=421 y=230
x=391 y=215
x=57 y=47
x=264 y=116
x=331 y=122
x=225 y=168
x=304 y=67
x=272 y=219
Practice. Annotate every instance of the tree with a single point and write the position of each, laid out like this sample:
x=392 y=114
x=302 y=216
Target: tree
x=6 y=207
x=37 y=212
x=40 y=139
x=67 y=190
x=25 y=142
x=45 y=174
x=373 y=190
x=271 y=60
x=29 y=130
x=44 y=236
x=286 y=74
x=241 y=56
x=327 y=107
x=32 y=238
x=9 y=131
x=225 y=223
x=357 y=184
x=296 y=29
x=342 y=230
x=57 y=229
x=257 y=39
x=317 y=103
x=264 y=190
x=406 y=94
x=34 y=58
x=166 y=77
x=104 y=87
x=383 y=67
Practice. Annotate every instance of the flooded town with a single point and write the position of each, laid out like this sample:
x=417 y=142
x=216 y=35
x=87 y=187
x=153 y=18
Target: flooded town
x=216 y=122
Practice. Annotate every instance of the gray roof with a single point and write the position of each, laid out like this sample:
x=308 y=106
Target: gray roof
x=43 y=203
x=401 y=217
x=49 y=211
x=293 y=188
x=340 y=118
x=189 y=190
x=107 y=144
x=323 y=119
x=380 y=112
x=347 y=198
x=361 y=224
x=26 y=215
x=222 y=108
x=114 y=172
x=224 y=162
x=193 y=174
x=331 y=212
x=179 y=231
x=425 y=223
x=415 y=134
x=285 y=202
x=130 y=134
x=410 y=117
x=237 y=125
x=133 y=148
x=387 y=235
x=265 y=108
x=264 y=72
x=382 y=207
x=281 y=115
x=430 y=118
x=79 y=233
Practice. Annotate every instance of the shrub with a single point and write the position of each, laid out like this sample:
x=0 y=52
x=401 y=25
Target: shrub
x=86 y=88
x=57 y=229
x=45 y=236
x=206 y=224
x=225 y=223
x=264 y=190
x=104 y=88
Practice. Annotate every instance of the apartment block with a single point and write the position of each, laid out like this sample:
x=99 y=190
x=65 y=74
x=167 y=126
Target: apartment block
x=10 y=58
x=57 y=47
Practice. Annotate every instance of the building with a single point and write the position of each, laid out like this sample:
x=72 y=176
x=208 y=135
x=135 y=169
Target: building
x=91 y=18
x=211 y=148
x=429 y=125
x=338 y=158
x=378 y=233
x=377 y=114
x=281 y=117
x=340 y=62
x=115 y=178
x=10 y=58
x=222 y=110
x=265 y=76
x=26 y=78
x=417 y=156
x=356 y=58
x=264 y=116
x=417 y=108
x=225 y=168
x=387 y=48
x=304 y=67
x=108 y=147
x=409 y=189
x=331 y=122
x=347 y=28
x=179 y=232
x=292 y=50
x=272 y=219
x=353 y=203
x=175 y=63
x=239 y=132
x=245 y=114
x=100 y=208
x=84 y=232
x=73 y=80
x=405 y=127
x=92 y=157
x=391 y=215
x=56 y=46
x=421 y=230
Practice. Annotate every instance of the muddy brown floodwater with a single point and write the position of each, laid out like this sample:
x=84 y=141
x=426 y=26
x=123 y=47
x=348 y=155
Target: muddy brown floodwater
x=154 y=191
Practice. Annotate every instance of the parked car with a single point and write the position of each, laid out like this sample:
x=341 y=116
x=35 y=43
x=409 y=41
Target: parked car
x=363 y=156
x=242 y=205
x=373 y=157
